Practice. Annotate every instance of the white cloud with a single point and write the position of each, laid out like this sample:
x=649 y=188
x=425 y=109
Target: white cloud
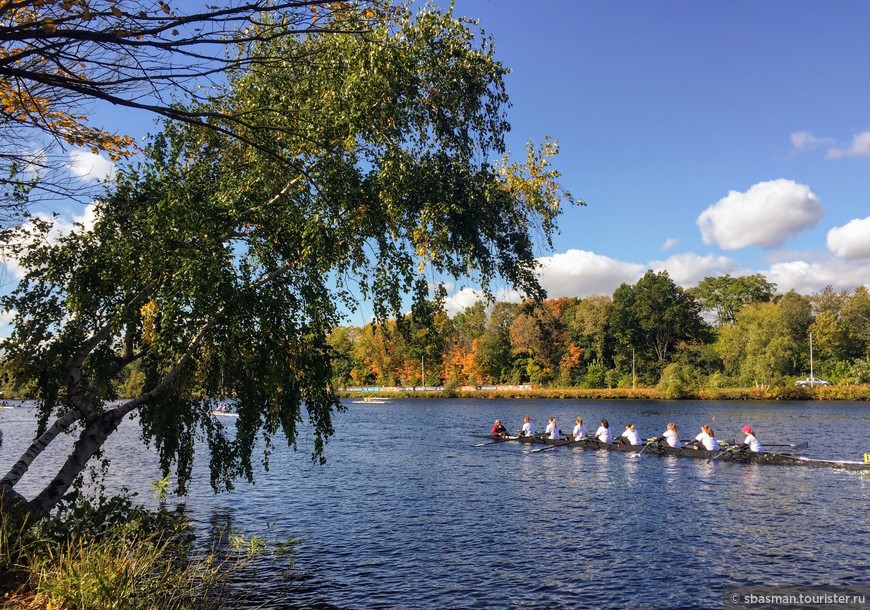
x=669 y=244
x=765 y=215
x=60 y=226
x=457 y=302
x=811 y=277
x=804 y=140
x=688 y=268
x=90 y=167
x=860 y=147
x=852 y=240
x=579 y=273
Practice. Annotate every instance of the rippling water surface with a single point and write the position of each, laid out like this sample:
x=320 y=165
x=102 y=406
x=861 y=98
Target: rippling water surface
x=409 y=513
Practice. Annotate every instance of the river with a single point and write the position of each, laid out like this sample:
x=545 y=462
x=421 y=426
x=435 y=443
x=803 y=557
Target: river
x=409 y=513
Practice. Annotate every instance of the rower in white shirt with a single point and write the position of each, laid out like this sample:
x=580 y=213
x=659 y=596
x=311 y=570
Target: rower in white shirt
x=579 y=432
x=707 y=439
x=553 y=432
x=603 y=433
x=528 y=427
x=751 y=441
x=630 y=436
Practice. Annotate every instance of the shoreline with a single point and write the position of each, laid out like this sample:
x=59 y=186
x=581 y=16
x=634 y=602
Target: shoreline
x=774 y=393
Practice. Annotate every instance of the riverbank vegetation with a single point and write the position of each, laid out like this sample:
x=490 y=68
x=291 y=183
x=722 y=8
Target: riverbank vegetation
x=726 y=336
x=109 y=553
x=850 y=392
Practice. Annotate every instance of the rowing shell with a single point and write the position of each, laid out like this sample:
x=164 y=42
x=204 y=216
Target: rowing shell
x=781 y=459
x=538 y=439
x=746 y=457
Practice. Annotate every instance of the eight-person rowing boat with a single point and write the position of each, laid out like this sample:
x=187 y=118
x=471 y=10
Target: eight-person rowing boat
x=704 y=446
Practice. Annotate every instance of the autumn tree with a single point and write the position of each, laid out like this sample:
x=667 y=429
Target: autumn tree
x=466 y=329
x=61 y=61
x=222 y=269
x=493 y=350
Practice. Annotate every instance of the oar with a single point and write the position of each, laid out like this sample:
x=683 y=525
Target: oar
x=710 y=458
x=791 y=445
x=568 y=444
x=648 y=443
x=501 y=440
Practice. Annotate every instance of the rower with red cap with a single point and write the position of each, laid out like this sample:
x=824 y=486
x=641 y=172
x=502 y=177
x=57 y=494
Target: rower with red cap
x=751 y=441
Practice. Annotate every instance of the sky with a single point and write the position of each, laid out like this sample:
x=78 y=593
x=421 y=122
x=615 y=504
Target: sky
x=705 y=137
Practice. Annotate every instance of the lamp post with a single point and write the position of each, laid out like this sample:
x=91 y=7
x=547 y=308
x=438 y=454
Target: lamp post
x=812 y=376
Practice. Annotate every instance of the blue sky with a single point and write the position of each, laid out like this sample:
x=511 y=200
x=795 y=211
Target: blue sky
x=706 y=138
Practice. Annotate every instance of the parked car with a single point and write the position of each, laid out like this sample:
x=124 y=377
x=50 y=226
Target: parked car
x=811 y=382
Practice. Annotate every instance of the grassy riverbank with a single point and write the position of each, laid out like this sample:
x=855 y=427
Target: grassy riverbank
x=110 y=553
x=850 y=392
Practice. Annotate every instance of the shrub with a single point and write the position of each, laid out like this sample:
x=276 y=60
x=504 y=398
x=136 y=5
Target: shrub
x=109 y=553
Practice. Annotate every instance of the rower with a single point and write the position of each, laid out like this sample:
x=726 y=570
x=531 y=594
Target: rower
x=750 y=443
x=629 y=437
x=498 y=429
x=579 y=432
x=603 y=433
x=528 y=427
x=671 y=435
x=553 y=432
x=707 y=438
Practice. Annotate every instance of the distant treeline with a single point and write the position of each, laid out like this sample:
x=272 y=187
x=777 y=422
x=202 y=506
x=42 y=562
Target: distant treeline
x=727 y=332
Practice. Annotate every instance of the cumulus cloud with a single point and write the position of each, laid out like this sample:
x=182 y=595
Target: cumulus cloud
x=803 y=140
x=860 y=147
x=60 y=226
x=809 y=277
x=765 y=215
x=852 y=240
x=463 y=298
x=579 y=273
x=90 y=167
x=670 y=244
x=688 y=268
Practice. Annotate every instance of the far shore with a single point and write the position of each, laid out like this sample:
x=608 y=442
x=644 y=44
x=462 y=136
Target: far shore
x=848 y=392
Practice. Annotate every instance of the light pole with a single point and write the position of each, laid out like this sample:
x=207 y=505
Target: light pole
x=423 y=370
x=812 y=377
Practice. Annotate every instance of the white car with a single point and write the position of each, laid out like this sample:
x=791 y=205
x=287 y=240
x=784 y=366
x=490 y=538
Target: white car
x=810 y=382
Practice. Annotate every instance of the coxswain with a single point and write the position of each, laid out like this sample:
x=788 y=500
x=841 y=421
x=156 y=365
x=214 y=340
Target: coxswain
x=498 y=429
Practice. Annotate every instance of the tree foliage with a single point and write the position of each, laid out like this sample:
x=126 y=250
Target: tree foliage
x=219 y=265
x=61 y=59
x=726 y=295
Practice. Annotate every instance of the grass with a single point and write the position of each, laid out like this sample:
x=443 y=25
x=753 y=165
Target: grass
x=112 y=555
